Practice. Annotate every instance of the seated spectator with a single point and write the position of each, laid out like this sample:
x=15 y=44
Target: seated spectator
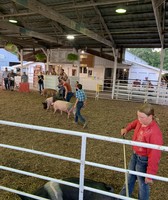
x=136 y=83
x=24 y=78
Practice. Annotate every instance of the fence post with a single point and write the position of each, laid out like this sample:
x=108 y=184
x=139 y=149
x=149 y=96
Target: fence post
x=82 y=167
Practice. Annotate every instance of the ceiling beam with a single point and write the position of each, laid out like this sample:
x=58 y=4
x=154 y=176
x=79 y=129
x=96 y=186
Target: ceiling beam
x=51 y=14
x=90 y=4
x=104 y=24
x=105 y=55
x=24 y=31
x=158 y=22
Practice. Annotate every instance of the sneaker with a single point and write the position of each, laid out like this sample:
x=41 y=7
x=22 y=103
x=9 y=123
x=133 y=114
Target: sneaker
x=85 y=124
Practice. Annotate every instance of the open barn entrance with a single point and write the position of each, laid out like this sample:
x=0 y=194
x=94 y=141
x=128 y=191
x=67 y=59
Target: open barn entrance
x=108 y=78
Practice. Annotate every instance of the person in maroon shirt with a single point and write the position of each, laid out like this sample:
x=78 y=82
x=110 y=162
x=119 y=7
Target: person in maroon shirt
x=68 y=90
x=143 y=159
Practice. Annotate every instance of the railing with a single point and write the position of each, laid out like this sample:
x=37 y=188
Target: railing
x=156 y=94
x=82 y=161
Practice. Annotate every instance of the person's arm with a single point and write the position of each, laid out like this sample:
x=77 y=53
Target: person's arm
x=66 y=91
x=129 y=127
x=75 y=103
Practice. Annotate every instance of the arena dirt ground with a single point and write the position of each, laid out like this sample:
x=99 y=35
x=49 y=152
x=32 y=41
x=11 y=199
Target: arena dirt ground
x=105 y=117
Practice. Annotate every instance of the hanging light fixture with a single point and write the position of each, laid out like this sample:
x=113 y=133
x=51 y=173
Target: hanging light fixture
x=14 y=21
x=121 y=9
x=70 y=37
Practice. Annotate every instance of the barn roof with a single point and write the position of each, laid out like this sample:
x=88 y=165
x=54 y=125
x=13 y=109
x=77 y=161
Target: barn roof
x=94 y=23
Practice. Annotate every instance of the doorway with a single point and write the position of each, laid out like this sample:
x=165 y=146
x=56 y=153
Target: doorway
x=108 y=79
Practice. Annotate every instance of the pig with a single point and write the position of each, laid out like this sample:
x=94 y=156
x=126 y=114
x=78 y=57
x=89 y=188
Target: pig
x=56 y=191
x=63 y=106
x=47 y=103
x=50 y=100
x=49 y=92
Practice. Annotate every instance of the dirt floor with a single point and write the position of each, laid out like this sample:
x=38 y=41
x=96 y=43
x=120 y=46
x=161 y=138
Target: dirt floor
x=105 y=117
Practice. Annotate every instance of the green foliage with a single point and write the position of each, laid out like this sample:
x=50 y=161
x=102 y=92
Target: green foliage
x=72 y=57
x=11 y=48
x=151 y=56
x=40 y=57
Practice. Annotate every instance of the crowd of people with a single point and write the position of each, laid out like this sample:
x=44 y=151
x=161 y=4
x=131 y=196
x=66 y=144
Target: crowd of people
x=9 y=79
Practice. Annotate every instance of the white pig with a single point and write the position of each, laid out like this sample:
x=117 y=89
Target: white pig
x=48 y=102
x=63 y=106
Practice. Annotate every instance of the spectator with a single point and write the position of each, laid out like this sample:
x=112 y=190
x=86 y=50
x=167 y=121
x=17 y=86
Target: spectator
x=143 y=159
x=41 y=82
x=136 y=83
x=76 y=85
x=24 y=78
x=11 y=77
x=61 y=89
x=53 y=72
x=5 y=77
x=79 y=104
x=145 y=82
x=68 y=90
x=150 y=85
x=63 y=75
x=47 y=73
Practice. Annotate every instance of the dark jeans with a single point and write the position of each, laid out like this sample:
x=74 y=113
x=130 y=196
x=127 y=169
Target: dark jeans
x=78 y=114
x=11 y=84
x=41 y=86
x=139 y=164
x=69 y=96
x=6 y=83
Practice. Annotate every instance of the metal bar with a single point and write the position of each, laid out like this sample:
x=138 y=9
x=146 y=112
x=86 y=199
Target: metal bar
x=38 y=176
x=86 y=162
x=125 y=167
x=22 y=193
x=114 y=72
x=40 y=153
x=93 y=136
x=82 y=167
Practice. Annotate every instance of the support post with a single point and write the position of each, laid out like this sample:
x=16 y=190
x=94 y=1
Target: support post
x=114 y=72
x=21 y=61
x=47 y=54
x=160 y=73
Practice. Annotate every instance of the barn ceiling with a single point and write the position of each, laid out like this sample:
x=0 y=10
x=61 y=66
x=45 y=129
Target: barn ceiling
x=94 y=23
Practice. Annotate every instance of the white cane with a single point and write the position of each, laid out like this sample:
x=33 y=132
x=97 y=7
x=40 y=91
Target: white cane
x=125 y=167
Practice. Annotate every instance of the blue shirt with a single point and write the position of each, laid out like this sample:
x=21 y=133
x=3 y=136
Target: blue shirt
x=80 y=95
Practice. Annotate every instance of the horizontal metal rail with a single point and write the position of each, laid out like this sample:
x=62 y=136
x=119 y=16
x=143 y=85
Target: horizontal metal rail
x=62 y=182
x=93 y=164
x=88 y=135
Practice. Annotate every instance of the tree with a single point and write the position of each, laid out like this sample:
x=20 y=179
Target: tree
x=151 y=56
